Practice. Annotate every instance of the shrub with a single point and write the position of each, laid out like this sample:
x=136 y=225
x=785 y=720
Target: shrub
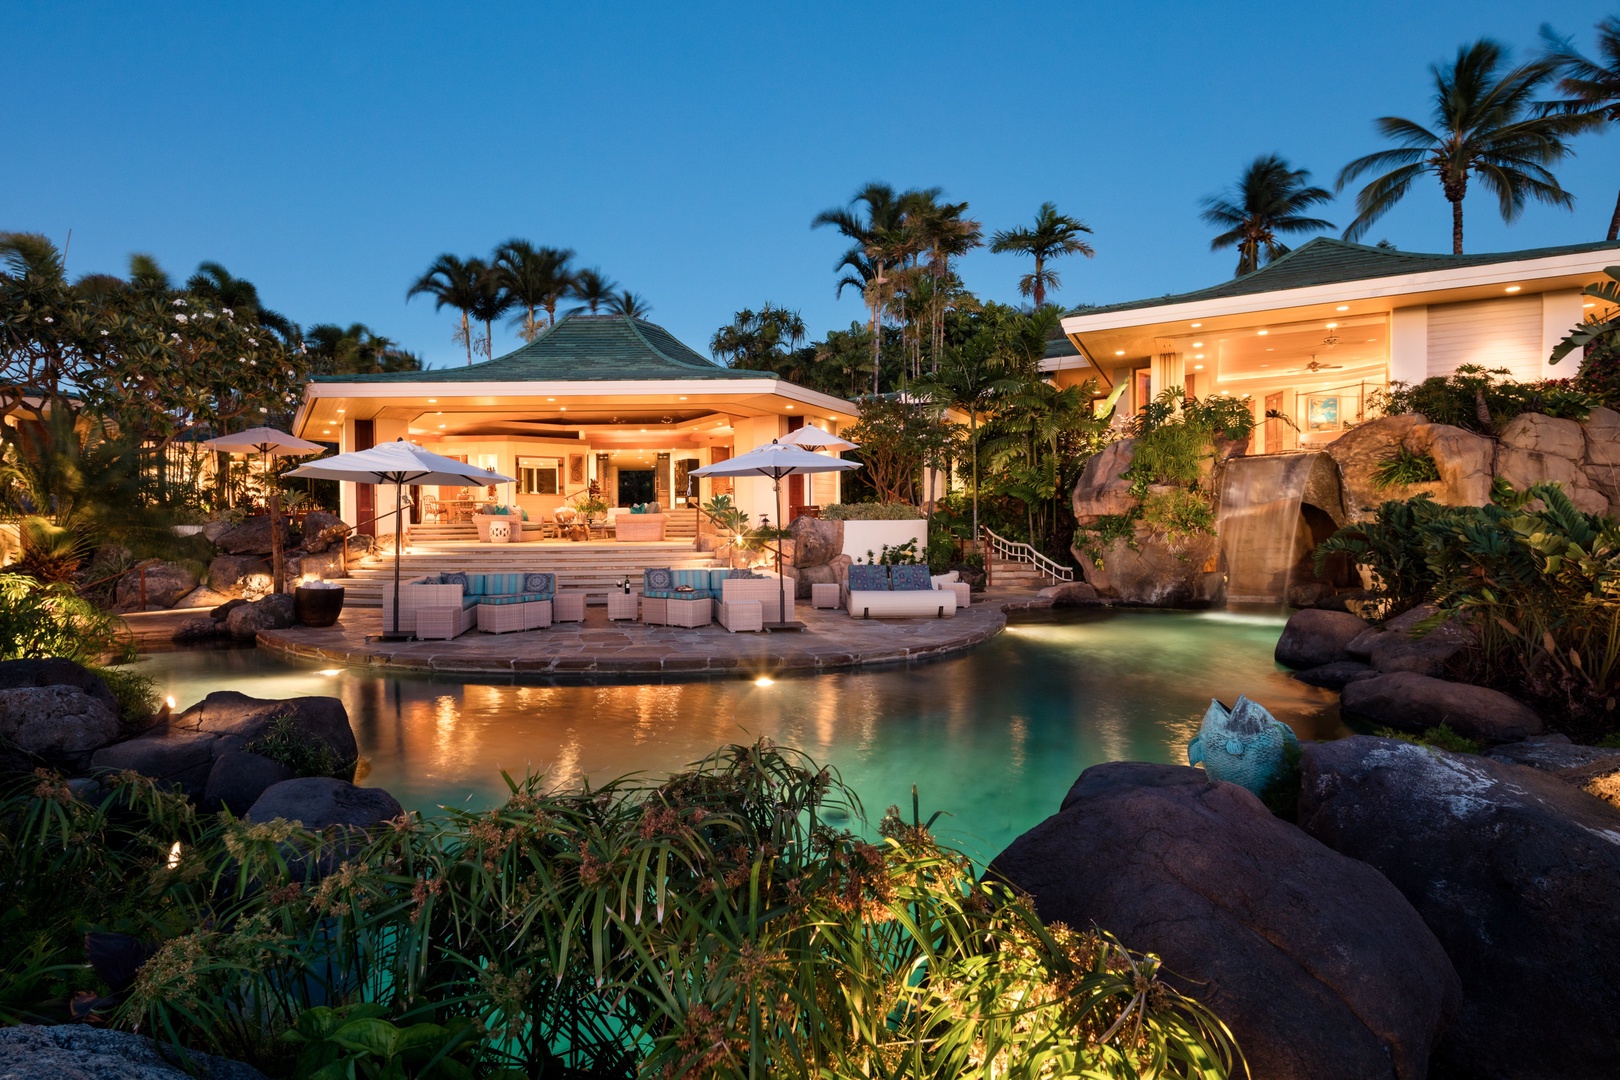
x=871 y=512
x=1483 y=400
x=1178 y=513
x=709 y=924
x=1536 y=579
x=281 y=742
x=1441 y=738
x=136 y=693
x=1404 y=468
x=39 y=620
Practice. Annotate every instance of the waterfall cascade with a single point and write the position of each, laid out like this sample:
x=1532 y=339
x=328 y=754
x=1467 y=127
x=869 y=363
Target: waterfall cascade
x=1262 y=533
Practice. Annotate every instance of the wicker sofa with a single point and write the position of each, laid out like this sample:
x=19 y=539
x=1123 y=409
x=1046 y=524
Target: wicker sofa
x=895 y=592
x=632 y=528
x=495 y=603
x=721 y=586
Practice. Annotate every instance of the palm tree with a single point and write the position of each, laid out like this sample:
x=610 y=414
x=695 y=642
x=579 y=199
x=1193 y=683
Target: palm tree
x=1054 y=235
x=216 y=283
x=1592 y=86
x=968 y=379
x=1270 y=199
x=593 y=289
x=452 y=283
x=1486 y=124
x=490 y=302
x=535 y=278
x=945 y=232
x=354 y=350
x=763 y=340
x=628 y=303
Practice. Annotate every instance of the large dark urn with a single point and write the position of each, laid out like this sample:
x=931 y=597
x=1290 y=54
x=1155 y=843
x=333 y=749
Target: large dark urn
x=317 y=607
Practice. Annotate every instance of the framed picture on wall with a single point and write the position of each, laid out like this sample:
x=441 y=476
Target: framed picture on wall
x=576 y=470
x=1322 y=412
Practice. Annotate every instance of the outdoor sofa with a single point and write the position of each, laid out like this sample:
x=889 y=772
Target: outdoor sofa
x=664 y=601
x=642 y=523
x=447 y=605
x=895 y=592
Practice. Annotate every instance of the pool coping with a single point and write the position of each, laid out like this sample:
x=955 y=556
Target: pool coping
x=596 y=648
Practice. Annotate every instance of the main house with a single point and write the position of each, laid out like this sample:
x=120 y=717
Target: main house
x=1310 y=337
x=609 y=399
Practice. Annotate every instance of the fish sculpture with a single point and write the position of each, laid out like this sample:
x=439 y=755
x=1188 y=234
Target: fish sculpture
x=1243 y=745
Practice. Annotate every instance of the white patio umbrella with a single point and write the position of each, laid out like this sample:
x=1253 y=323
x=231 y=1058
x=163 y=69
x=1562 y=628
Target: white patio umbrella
x=777 y=459
x=398 y=463
x=267 y=442
x=811 y=437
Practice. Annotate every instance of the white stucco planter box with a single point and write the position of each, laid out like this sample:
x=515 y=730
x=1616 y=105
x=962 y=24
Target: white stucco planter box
x=863 y=536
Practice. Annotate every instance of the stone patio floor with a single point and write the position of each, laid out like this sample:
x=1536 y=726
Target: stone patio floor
x=597 y=647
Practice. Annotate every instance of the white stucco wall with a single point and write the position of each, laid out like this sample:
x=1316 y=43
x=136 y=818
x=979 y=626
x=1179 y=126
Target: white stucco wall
x=861 y=537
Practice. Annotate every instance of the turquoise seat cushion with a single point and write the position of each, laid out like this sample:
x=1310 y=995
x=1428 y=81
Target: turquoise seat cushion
x=910 y=579
x=512 y=598
x=475 y=585
x=543 y=586
x=502 y=584
x=865 y=577
x=469 y=601
x=717 y=580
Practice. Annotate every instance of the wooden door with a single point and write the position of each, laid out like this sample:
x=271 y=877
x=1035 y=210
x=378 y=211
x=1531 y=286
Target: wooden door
x=795 y=491
x=365 y=495
x=1274 y=425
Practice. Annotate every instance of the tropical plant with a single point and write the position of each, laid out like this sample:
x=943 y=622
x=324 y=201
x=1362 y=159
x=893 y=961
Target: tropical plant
x=213 y=283
x=709 y=924
x=898 y=438
x=1482 y=399
x=1404 y=468
x=358 y=1043
x=726 y=515
x=762 y=340
x=878 y=511
x=1592 y=87
x=968 y=379
x=1486 y=126
x=354 y=350
x=455 y=283
x=593 y=289
x=39 y=620
x=535 y=279
x=491 y=301
x=1535 y=579
x=1053 y=235
x=1270 y=200
x=628 y=303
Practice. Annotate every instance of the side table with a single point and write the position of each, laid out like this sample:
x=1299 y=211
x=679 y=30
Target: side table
x=824 y=594
x=568 y=605
x=622 y=605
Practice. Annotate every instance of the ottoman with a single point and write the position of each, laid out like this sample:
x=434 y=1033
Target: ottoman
x=964 y=593
x=740 y=615
x=622 y=605
x=689 y=613
x=438 y=623
x=824 y=594
x=569 y=606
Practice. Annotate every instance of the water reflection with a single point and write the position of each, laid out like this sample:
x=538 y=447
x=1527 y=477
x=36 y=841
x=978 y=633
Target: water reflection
x=995 y=737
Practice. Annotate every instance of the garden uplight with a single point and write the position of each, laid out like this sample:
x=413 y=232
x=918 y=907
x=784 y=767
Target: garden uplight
x=764 y=680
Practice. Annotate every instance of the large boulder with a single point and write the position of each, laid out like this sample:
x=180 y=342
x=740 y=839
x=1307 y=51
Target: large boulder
x=240 y=575
x=1334 y=676
x=82 y=1052
x=1403 y=644
x=183 y=749
x=238 y=778
x=153 y=584
x=1156 y=571
x=1537 y=449
x=1358 y=454
x=320 y=530
x=203 y=597
x=1593 y=769
x=835 y=572
x=320 y=802
x=1314 y=637
x=1407 y=701
x=1102 y=489
x=1466 y=462
x=816 y=541
x=252 y=537
x=274 y=612
x=1542 y=434
x=1515 y=873
x=1602 y=432
x=1070 y=594
x=318 y=564
x=62 y=726
x=55 y=671
x=1317 y=964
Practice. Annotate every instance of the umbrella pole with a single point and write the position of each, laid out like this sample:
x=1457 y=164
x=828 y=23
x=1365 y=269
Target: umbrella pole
x=278 y=557
x=781 y=582
x=399 y=529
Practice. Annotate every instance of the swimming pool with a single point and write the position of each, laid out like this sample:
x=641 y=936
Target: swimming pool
x=994 y=737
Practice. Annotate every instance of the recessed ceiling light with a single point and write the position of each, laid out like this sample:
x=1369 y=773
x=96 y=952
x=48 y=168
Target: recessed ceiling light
x=1262 y=333
x=683 y=399
x=1342 y=307
x=551 y=399
x=1514 y=288
x=1265 y=365
x=1588 y=305
x=1119 y=352
x=1372 y=339
x=1198 y=344
x=1196 y=325
x=1198 y=367
x=441 y=427
x=790 y=406
x=433 y=401
x=564 y=409
x=1332 y=326
x=1271 y=350
x=343 y=410
x=1198 y=356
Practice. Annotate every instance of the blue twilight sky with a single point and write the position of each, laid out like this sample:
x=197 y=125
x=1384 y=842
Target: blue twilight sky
x=329 y=151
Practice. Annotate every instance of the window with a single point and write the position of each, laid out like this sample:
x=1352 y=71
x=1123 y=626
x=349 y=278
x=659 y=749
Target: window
x=539 y=476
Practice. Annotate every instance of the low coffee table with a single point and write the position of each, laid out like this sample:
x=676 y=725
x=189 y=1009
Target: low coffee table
x=622 y=605
x=824 y=594
x=568 y=605
x=689 y=613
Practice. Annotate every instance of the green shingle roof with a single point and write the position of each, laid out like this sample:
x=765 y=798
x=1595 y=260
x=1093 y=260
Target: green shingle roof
x=1326 y=261
x=579 y=348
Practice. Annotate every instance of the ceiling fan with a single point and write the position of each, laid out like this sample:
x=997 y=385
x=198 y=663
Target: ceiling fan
x=1314 y=366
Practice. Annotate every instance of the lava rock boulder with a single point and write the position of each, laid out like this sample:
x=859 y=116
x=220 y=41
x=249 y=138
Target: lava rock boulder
x=1407 y=701
x=1314 y=637
x=1317 y=964
x=1515 y=873
x=274 y=612
x=81 y=1052
x=60 y=726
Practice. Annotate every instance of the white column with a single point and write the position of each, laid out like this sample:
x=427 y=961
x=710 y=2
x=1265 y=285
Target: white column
x=1560 y=313
x=348 y=500
x=1169 y=370
x=1409 y=344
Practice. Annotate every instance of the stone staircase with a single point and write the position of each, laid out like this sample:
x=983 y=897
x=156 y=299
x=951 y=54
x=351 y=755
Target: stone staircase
x=1007 y=574
x=593 y=566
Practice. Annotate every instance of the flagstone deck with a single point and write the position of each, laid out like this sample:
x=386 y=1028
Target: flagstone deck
x=599 y=648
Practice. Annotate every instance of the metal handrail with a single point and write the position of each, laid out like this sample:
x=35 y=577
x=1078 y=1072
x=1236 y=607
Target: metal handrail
x=1016 y=551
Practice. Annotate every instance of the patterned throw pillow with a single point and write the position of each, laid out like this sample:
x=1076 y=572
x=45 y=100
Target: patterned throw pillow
x=454 y=578
x=539 y=583
x=663 y=579
x=865 y=577
x=910 y=579
x=744 y=575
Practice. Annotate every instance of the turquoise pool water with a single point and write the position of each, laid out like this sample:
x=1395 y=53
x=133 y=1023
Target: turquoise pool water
x=994 y=737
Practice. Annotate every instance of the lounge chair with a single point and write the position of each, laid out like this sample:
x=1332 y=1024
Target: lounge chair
x=895 y=592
